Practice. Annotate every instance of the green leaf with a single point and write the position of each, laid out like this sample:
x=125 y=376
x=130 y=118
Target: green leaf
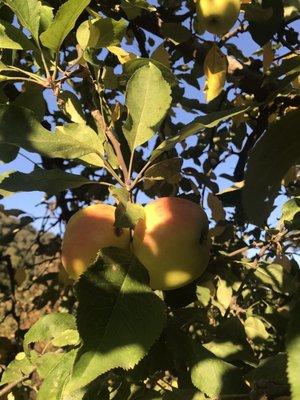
x=255 y=329
x=13 y=38
x=87 y=34
x=115 y=289
x=55 y=382
x=203 y=295
x=128 y=214
x=186 y=394
x=48 y=327
x=276 y=276
x=207 y=121
x=70 y=337
x=109 y=32
x=270 y=159
x=290 y=209
x=49 y=181
x=293 y=351
x=19 y=367
x=224 y=293
x=230 y=342
x=84 y=133
x=271 y=369
x=46 y=17
x=71 y=106
x=148 y=98
x=63 y=23
x=130 y=67
x=28 y=12
x=45 y=362
x=19 y=127
x=212 y=375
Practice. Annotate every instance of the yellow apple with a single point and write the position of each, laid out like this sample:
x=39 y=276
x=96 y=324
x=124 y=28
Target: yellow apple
x=88 y=231
x=171 y=242
x=217 y=16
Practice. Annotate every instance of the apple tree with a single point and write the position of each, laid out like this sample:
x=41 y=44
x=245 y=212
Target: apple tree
x=123 y=102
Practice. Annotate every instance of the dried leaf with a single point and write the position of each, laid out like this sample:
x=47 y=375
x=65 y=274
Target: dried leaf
x=215 y=68
x=268 y=56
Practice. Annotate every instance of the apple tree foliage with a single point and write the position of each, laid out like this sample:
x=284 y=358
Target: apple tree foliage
x=128 y=100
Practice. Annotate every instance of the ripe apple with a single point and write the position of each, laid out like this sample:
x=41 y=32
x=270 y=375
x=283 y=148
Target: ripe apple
x=171 y=242
x=88 y=231
x=217 y=16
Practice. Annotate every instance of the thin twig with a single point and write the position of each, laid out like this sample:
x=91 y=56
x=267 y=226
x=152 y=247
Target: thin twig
x=11 y=385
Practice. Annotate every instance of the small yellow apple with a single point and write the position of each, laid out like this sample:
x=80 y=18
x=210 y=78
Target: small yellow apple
x=217 y=16
x=171 y=242
x=88 y=231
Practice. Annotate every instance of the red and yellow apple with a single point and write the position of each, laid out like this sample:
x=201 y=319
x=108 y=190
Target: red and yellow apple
x=88 y=231
x=171 y=242
x=217 y=16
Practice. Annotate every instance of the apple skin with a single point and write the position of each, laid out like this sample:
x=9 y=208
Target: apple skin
x=171 y=242
x=88 y=231
x=217 y=16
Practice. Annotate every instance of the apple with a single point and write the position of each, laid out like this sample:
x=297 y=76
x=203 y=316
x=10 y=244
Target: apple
x=88 y=231
x=217 y=16
x=171 y=242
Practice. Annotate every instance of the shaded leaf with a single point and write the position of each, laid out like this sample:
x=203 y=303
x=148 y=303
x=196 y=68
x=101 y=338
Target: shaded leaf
x=270 y=159
x=128 y=214
x=293 y=351
x=115 y=288
x=212 y=375
x=13 y=38
x=263 y=29
x=49 y=181
x=165 y=170
x=290 y=209
x=177 y=33
x=276 y=276
x=230 y=342
x=272 y=369
x=8 y=153
x=207 y=121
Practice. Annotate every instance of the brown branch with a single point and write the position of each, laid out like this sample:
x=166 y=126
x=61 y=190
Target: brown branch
x=240 y=29
x=11 y=385
x=114 y=142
